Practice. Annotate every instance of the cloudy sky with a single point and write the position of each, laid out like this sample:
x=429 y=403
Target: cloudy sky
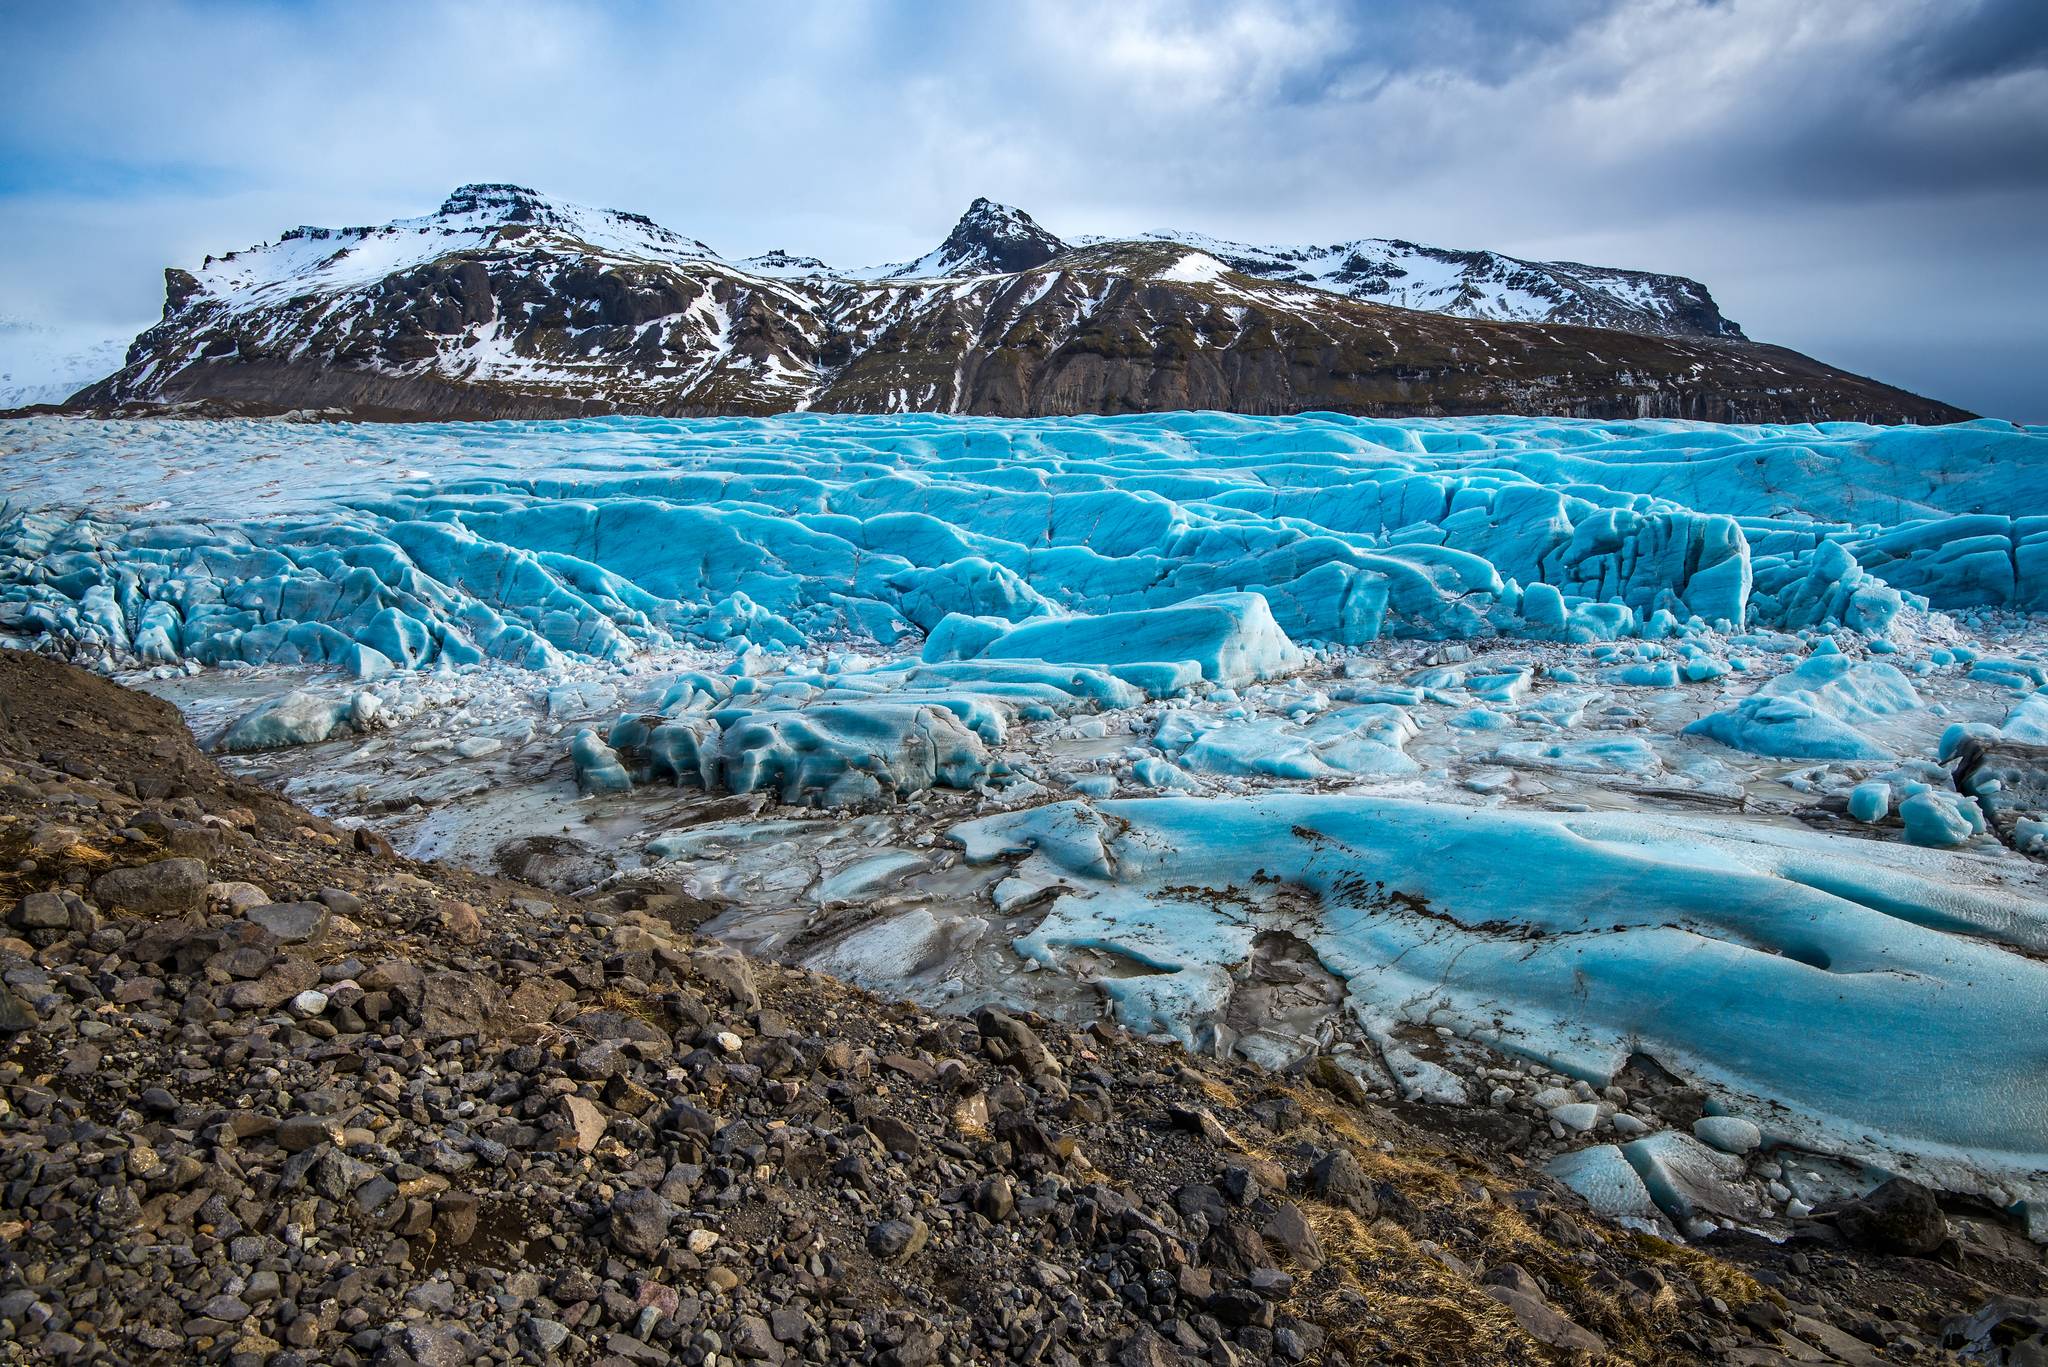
x=1864 y=180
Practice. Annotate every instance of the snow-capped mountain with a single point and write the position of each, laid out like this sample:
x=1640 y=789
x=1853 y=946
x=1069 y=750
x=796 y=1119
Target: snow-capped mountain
x=504 y=303
x=41 y=364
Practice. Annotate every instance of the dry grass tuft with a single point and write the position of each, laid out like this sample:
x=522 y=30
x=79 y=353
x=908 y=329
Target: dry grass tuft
x=1715 y=1277
x=1383 y=1299
x=78 y=852
x=1218 y=1093
x=1387 y=1299
x=627 y=1004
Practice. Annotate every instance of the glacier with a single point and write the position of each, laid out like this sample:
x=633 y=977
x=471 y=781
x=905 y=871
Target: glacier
x=1473 y=755
x=525 y=543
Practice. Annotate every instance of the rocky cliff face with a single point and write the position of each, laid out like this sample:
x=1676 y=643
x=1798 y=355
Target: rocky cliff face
x=505 y=304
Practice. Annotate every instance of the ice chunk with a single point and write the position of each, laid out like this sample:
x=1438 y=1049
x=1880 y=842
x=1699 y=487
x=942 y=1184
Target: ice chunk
x=1811 y=712
x=2030 y=835
x=1644 y=674
x=582 y=698
x=886 y=952
x=1854 y=690
x=1728 y=1133
x=972 y=586
x=1870 y=802
x=860 y=878
x=1610 y=1185
x=853 y=753
x=1619 y=755
x=298 y=718
x=1155 y=772
x=1231 y=638
x=1363 y=740
x=597 y=765
x=2029 y=720
x=1689 y=1181
x=1940 y=819
x=1792 y=728
x=959 y=636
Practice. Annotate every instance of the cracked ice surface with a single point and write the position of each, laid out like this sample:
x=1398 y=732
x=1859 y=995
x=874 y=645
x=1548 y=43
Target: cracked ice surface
x=1714 y=945
x=1477 y=755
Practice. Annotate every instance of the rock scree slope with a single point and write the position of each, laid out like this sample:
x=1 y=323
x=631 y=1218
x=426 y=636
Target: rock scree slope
x=270 y=1094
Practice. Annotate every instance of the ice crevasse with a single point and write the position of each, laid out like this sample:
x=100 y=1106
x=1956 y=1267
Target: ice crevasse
x=428 y=546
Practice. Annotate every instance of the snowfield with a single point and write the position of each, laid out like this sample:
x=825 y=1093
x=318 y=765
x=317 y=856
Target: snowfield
x=42 y=364
x=1496 y=761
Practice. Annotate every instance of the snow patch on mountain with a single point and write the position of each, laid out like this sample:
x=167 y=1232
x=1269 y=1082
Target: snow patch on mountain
x=334 y=260
x=1196 y=268
x=1476 y=284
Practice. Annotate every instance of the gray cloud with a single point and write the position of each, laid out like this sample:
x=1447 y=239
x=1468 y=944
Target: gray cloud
x=1863 y=179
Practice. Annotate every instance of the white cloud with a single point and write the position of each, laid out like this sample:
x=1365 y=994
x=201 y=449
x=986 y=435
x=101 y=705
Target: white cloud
x=1171 y=58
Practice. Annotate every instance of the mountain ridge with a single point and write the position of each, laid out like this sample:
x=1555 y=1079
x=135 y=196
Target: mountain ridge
x=505 y=303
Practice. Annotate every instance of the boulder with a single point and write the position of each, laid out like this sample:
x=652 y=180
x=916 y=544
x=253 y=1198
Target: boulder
x=454 y=1005
x=1006 y=1039
x=1336 y=1178
x=293 y=923
x=1899 y=1217
x=896 y=1240
x=167 y=887
x=587 y=1121
x=1518 y=1291
x=639 y=1223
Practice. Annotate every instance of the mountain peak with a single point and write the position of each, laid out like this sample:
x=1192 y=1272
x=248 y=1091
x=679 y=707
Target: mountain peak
x=511 y=203
x=990 y=239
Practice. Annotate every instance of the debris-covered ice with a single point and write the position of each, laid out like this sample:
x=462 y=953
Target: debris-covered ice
x=1649 y=786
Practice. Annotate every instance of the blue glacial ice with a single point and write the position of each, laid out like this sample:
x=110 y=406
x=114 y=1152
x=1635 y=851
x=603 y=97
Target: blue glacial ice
x=1813 y=711
x=1227 y=638
x=445 y=545
x=1366 y=739
x=1580 y=940
x=299 y=718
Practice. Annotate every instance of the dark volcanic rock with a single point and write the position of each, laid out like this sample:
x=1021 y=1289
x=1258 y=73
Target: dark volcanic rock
x=992 y=237
x=166 y=887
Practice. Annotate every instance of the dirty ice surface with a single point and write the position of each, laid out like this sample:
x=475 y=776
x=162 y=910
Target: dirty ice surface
x=1572 y=772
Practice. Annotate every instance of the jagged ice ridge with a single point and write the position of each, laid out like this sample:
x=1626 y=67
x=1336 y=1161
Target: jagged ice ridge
x=532 y=542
